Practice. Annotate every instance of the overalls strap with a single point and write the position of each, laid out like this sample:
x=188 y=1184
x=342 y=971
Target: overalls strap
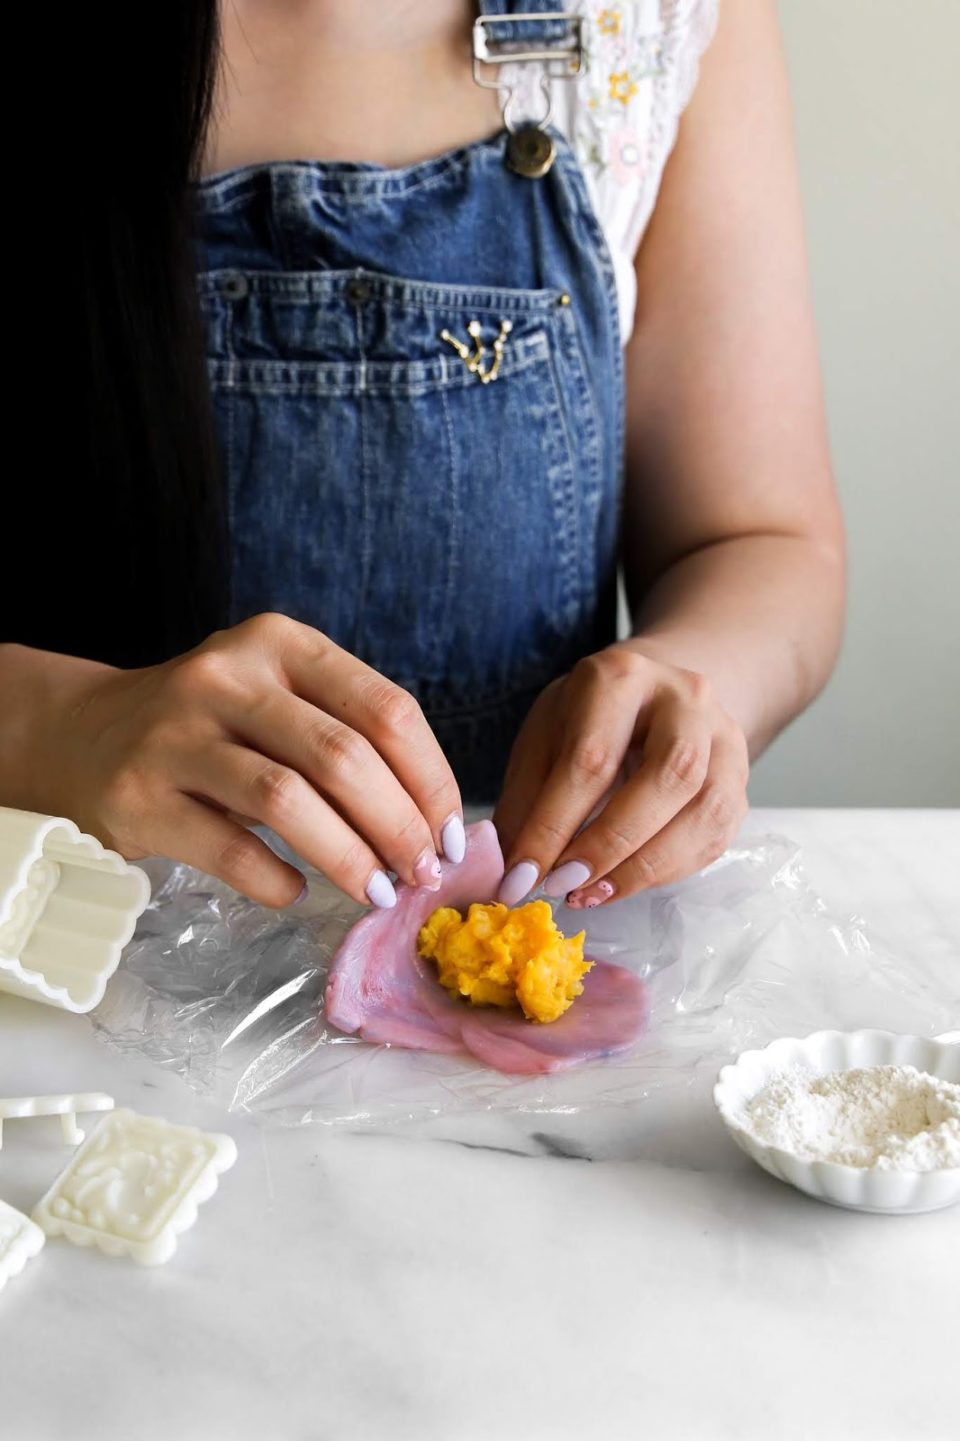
x=527 y=31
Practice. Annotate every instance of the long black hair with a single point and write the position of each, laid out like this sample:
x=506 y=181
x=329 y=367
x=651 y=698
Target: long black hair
x=122 y=544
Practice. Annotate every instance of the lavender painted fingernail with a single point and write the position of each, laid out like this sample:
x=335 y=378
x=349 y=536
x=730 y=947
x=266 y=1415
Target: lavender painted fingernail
x=426 y=870
x=301 y=895
x=380 y=891
x=454 y=839
x=517 y=883
x=566 y=878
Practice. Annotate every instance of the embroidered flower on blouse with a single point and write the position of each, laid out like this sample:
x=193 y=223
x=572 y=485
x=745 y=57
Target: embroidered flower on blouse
x=622 y=87
x=629 y=50
x=627 y=158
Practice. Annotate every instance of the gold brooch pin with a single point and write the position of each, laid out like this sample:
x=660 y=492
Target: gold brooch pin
x=473 y=358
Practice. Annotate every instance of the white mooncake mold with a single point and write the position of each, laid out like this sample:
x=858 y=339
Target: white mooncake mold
x=67 y=909
x=66 y=1107
x=20 y=1239
x=135 y=1185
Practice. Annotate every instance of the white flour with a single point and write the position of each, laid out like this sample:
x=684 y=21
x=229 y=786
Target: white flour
x=894 y=1117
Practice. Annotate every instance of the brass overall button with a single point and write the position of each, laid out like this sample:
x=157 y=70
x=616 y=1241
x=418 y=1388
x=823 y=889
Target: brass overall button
x=531 y=152
x=235 y=287
x=359 y=291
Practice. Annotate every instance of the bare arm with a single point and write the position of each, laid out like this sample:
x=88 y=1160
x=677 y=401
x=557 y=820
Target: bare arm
x=268 y=722
x=733 y=539
x=733 y=544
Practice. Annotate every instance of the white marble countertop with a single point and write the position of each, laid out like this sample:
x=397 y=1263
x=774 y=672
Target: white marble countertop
x=484 y=1285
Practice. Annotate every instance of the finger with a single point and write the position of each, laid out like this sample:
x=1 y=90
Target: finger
x=676 y=755
x=598 y=727
x=531 y=757
x=393 y=723
x=342 y=766
x=195 y=834
x=387 y=716
x=695 y=837
x=275 y=795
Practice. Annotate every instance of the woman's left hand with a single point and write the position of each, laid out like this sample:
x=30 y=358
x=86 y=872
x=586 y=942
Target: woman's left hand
x=683 y=763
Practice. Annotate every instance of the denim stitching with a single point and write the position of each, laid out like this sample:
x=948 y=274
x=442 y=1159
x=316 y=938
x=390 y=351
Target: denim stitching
x=344 y=180
x=566 y=505
x=453 y=535
x=230 y=502
x=330 y=378
x=303 y=287
x=589 y=422
x=366 y=558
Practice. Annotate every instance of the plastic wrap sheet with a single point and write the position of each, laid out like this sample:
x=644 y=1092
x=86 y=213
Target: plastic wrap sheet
x=230 y=995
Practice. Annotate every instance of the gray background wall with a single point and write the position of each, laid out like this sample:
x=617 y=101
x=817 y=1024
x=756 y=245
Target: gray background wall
x=876 y=86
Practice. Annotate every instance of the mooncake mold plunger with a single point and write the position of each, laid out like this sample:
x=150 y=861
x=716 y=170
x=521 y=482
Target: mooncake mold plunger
x=66 y=1107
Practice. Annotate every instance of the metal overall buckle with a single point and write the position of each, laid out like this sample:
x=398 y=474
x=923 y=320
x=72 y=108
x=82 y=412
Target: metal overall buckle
x=530 y=149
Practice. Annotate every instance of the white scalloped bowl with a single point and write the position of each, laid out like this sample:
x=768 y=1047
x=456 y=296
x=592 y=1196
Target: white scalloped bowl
x=896 y=1193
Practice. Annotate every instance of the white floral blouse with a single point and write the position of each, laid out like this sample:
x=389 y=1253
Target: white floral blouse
x=621 y=115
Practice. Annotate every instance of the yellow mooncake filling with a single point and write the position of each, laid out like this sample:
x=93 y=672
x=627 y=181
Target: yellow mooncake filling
x=495 y=956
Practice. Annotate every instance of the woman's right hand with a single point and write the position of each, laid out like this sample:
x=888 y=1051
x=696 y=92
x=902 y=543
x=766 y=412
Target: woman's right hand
x=269 y=722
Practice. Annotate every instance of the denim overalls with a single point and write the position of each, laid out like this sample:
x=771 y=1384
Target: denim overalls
x=458 y=534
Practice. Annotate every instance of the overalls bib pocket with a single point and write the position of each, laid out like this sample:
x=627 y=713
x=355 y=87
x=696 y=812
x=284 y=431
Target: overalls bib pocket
x=437 y=523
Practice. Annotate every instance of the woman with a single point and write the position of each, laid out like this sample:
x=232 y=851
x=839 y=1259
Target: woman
x=431 y=447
